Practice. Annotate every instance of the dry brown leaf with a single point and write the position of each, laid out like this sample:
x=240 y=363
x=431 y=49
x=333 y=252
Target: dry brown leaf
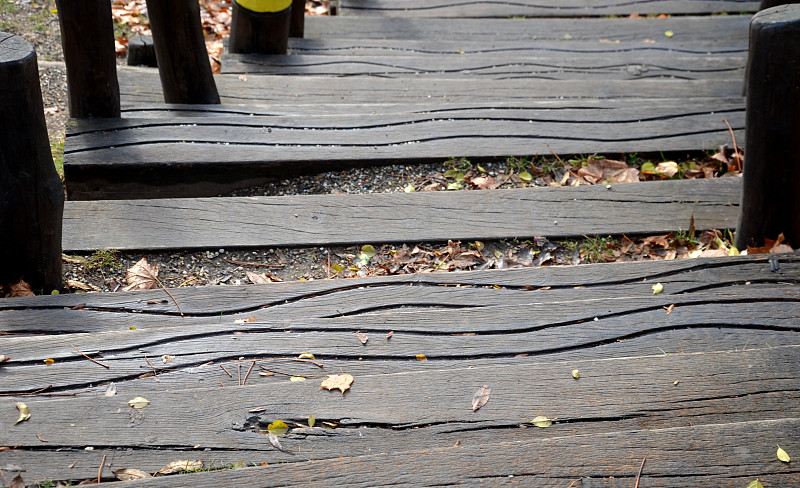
x=668 y=168
x=480 y=397
x=662 y=241
x=771 y=247
x=17 y=482
x=21 y=289
x=74 y=259
x=258 y=278
x=141 y=276
x=6 y=358
x=182 y=465
x=362 y=337
x=79 y=285
x=166 y=358
x=338 y=382
x=129 y=474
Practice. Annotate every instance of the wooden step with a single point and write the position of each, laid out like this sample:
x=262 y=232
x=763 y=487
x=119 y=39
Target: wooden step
x=142 y=86
x=732 y=44
x=497 y=66
x=723 y=29
x=119 y=159
x=536 y=8
x=699 y=370
x=316 y=220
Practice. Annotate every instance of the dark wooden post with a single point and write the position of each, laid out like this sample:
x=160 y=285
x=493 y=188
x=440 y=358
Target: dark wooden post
x=260 y=26
x=765 y=4
x=181 y=54
x=31 y=195
x=771 y=190
x=87 y=36
x=298 y=22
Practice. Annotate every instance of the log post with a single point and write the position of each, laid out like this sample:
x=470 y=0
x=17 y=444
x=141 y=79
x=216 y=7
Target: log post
x=770 y=202
x=298 y=22
x=87 y=36
x=765 y=4
x=260 y=26
x=31 y=195
x=181 y=54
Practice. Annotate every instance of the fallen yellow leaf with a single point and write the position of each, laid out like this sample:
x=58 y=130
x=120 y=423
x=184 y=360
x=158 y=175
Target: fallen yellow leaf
x=24 y=412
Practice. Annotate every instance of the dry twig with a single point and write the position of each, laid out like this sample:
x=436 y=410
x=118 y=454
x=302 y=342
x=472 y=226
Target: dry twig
x=638 y=476
x=90 y=359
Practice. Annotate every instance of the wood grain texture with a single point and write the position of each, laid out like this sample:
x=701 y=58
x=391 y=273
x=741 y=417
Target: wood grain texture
x=391 y=413
x=732 y=28
x=729 y=45
x=141 y=85
x=497 y=66
x=110 y=160
x=536 y=8
x=313 y=220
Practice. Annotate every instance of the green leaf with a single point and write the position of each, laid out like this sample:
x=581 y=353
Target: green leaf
x=783 y=456
x=337 y=268
x=481 y=169
x=239 y=465
x=278 y=428
x=542 y=421
x=525 y=176
x=368 y=251
x=454 y=185
x=755 y=484
x=657 y=288
x=451 y=173
x=311 y=421
x=649 y=168
x=409 y=188
x=576 y=374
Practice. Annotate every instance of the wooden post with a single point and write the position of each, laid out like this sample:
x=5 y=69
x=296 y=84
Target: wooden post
x=181 y=54
x=260 y=26
x=298 y=22
x=87 y=36
x=31 y=195
x=771 y=190
x=765 y=4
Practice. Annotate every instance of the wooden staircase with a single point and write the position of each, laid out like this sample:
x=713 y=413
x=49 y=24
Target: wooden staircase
x=692 y=386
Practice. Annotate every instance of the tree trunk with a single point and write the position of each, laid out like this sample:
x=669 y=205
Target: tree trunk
x=87 y=36
x=771 y=189
x=31 y=195
x=181 y=54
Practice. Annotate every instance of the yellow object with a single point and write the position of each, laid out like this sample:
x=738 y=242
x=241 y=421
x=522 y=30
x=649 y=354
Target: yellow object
x=262 y=6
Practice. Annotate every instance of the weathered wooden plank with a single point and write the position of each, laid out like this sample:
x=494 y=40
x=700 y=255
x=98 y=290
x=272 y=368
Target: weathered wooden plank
x=312 y=220
x=200 y=159
x=49 y=464
x=141 y=85
x=728 y=45
x=687 y=29
x=535 y=8
x=125 y=353
x=432 y=408
x=400 y=308
x=681 y=276
x=617 y=108
x=497 y=66
x=672 y=463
